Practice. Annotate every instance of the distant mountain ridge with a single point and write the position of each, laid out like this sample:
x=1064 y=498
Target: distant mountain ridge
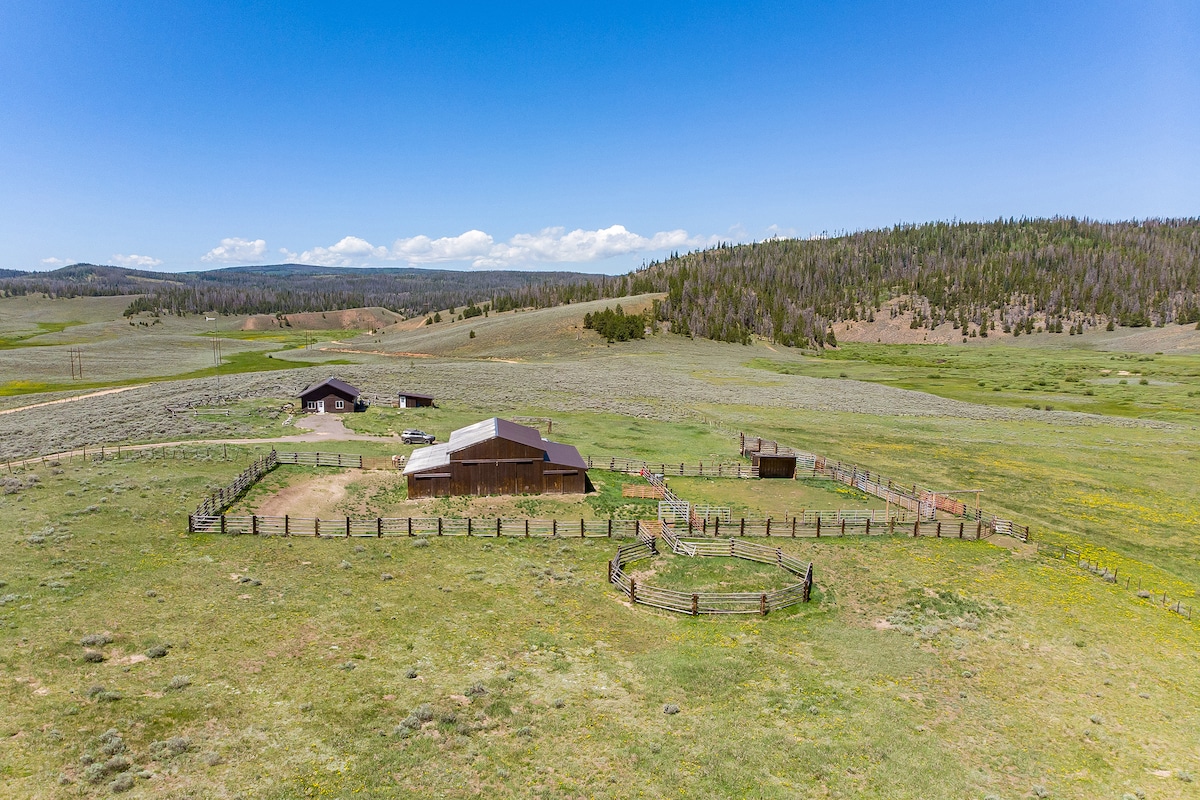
x=1062 y=274
x=285 y=288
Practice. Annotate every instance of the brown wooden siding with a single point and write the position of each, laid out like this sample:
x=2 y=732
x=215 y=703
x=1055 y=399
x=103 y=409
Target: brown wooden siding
x=497 y=466
x=330 y=396
x=772 y=466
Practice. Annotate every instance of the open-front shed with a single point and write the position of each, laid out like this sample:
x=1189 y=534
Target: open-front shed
x=414 y=400
x=496 y=456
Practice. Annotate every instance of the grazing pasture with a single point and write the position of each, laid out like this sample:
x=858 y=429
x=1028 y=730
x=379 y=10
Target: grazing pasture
x=315 y=668
x=137 y=657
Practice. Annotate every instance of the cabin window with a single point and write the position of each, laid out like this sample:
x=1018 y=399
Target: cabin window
x=311 y=404
x=339 y=404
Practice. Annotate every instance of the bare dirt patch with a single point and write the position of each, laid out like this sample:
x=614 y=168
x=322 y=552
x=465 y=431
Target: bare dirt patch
x=347 y=319
x=310 y=497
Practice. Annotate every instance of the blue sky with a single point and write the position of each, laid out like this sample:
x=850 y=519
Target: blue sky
x=188 y=136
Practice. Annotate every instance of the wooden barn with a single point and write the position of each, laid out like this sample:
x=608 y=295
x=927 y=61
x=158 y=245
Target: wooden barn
x=496 y=456
x=331 y=395
x=414 y=400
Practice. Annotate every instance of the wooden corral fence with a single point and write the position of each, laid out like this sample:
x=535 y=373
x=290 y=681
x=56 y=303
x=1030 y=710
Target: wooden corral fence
x=216 y=503
x=924 y=502
x=696 y=603
x=380 y=527
x=635 y=466
x=818 y=526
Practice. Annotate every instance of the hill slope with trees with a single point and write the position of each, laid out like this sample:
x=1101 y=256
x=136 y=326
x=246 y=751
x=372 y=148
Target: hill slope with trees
x=1068 y=274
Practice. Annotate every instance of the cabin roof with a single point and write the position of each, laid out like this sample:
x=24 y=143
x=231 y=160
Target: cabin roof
x=334 y=383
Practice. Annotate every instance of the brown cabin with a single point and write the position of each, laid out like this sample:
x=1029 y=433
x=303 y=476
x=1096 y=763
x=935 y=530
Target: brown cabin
x=414 y=400
x=331 y=396
x=496 y=456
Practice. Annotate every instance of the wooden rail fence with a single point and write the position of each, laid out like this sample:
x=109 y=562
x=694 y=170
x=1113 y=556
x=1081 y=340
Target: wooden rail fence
x=380 y=527
x=696 y=603
x=924 y=502
x=634 y=466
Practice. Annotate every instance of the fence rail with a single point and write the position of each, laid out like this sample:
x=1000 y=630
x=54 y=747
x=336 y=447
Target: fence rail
x=380 y=527
x=634 y=466
x=923 y=502
x=695 y=603
x=222 y=498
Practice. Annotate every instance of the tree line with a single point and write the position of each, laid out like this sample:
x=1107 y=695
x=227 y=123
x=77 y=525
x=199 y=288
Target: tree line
x=1070 y=274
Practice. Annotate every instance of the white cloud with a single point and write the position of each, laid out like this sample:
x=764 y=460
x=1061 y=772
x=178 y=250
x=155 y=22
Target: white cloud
x=237 y=251
x=557 y=246
x=548 y=246
x=423 y=250
x=776 y=232
x=54 y=262
x=348 y=252
x=135 y=261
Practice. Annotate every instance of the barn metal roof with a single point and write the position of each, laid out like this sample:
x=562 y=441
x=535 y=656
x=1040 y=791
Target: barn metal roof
x=416 y=394
x=435 y=455
x=438 y=455
x=333 y=383
x=564 y=454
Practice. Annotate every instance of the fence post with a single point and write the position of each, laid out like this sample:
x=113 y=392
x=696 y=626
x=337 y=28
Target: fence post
x=695 y=604
x=818 y=525
x=439 y=526
x=191 y=524
x=917 y=526
x=317 y=527
x=347 y=527
x=891 y=526
x=526 y=529
x=717 y=527
x=497 y=527
x=793 y=527
x=254 y=524
x=286 y=527
x=978 y=529
x=960 y=529
x=867 y=532
x=610 y=527
x=468 y=526
x=939 y=529
x=581 y=529
x=410 y=533
x=632 y=590
x=843 y=526
x=554 y=527
x=222 y=523
x=378 y=527
x=762 y=604
x=742 y=529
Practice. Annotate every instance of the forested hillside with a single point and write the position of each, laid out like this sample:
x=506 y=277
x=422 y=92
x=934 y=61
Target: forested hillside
x=288 y=288
x=1068 y=274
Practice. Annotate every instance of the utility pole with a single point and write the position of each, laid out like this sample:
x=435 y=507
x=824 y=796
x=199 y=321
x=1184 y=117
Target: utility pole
x=216 y=346
x=76 y=356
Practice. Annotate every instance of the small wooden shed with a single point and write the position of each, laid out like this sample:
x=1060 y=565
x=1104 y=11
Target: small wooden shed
x=332 y=395
x=772 y=460
x=773 y=465
x=496 y=456
x=415 y=400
